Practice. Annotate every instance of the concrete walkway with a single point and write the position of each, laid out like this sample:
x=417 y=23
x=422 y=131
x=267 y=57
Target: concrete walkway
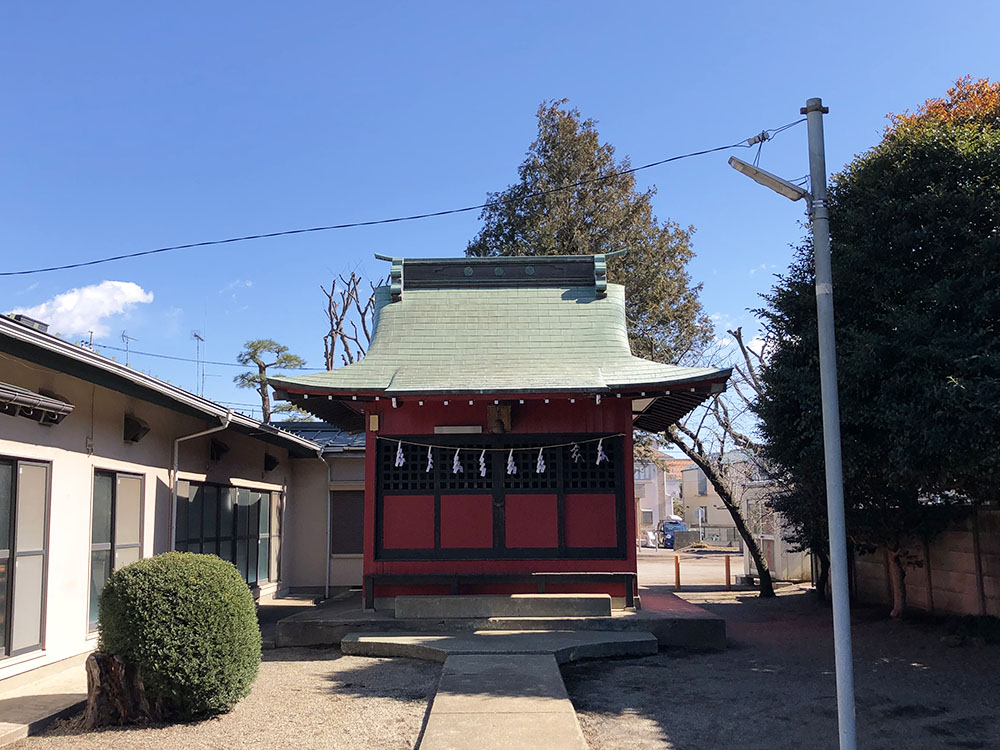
x=501 y=689
x=488 y=701
x=30 y=707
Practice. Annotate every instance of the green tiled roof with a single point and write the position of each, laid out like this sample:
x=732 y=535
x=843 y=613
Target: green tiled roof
x=534 y=339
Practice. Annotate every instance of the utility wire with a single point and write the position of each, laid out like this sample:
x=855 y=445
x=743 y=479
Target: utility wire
x=188 y=359
x=397 y=219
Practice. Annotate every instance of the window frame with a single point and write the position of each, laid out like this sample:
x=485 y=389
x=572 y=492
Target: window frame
x=252 y=537
x=332 y=552
x=112 y=547
x=6 y=652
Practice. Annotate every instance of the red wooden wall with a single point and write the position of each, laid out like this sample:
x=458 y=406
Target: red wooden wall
x=530 y=519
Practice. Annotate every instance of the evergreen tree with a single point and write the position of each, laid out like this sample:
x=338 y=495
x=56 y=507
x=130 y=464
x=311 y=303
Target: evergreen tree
x=255 y=354
x=916 y=266
x=604 y=214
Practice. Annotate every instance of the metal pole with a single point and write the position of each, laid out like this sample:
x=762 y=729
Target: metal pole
x=814 y=111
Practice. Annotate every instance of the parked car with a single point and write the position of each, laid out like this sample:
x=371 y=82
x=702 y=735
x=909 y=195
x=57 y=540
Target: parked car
x=665 y=533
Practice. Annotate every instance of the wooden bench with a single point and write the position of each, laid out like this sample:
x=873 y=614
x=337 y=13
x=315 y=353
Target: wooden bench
x=455 y=581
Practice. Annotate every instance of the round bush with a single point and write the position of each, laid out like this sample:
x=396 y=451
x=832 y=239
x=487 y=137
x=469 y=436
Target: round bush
x=189 y=624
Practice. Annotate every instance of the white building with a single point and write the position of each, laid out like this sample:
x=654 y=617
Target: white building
x=101 y=465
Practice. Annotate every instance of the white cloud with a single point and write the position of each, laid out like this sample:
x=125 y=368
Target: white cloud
x=756 y=345
x=236 y=284
x=88 y=307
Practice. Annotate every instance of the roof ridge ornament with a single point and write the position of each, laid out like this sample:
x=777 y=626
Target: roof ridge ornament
x=395 y=276
x=601 y=271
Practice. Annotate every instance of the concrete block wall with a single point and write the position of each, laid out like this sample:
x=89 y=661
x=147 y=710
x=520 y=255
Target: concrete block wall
x=960 y=571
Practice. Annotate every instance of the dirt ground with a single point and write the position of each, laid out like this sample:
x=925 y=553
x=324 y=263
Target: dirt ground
x=774 y=686
x=303 y=698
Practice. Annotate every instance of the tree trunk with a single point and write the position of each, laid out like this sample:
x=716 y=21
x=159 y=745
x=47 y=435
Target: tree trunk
x=897 y=583
x=265 y=397
x=726 y=495
x=763 y=571
x=115 y=694
x=824 y=575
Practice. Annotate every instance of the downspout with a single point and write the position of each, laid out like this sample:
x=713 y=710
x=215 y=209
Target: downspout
x=173 y=471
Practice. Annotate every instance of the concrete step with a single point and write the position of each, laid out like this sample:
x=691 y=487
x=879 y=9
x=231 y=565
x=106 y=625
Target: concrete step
x=511 y=605
x=565 y=646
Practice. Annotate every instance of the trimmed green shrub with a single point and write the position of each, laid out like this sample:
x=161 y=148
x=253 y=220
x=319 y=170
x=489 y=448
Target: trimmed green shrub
x=188 y=622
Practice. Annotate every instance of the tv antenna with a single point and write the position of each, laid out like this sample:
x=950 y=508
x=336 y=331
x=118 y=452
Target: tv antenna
x=199 y=373
x=125 y=340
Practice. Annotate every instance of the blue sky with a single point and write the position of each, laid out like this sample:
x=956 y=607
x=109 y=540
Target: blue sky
x=130 y=126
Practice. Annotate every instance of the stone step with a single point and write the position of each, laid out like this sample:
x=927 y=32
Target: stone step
x=510 y=605
x=565 y=646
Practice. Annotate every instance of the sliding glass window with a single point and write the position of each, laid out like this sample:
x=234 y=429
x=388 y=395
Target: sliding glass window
x=115 y=532
x=237 y=524
x=24 y=501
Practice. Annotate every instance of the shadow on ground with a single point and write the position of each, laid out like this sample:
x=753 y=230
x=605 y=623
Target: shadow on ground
x=775 y=686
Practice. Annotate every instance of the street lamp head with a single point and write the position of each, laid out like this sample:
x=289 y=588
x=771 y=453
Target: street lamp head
x=778 y=185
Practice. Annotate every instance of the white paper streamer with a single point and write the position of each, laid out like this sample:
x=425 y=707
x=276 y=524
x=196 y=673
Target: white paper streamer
x=601 y=455
x=511 y=466
x=430 y=460
x=482 y=463
x=399 y=454
x=575 y=453
x=456 y=463
x=540 y=463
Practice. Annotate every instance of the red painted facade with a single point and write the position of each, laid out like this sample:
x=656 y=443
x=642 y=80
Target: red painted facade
x=530 y=518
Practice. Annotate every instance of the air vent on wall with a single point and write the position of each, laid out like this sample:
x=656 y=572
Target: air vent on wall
x=134 y=430
x=217 y=449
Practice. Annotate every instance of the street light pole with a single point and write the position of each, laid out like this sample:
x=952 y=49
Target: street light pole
x=814 y=111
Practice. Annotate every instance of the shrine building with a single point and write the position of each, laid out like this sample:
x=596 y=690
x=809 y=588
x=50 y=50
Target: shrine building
x=498 y=400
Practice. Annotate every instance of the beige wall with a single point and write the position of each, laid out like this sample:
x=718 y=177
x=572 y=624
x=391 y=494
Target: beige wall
x=767 y=528
x=306 y=525
x=717 y=517
x=90 y=438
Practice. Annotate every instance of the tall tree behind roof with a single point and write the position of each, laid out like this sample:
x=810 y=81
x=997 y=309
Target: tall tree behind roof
x=665 y=318
x=256 y=353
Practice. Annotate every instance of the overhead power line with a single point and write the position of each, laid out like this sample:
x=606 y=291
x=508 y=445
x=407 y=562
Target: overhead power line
x=188 y=359
x=398 y=219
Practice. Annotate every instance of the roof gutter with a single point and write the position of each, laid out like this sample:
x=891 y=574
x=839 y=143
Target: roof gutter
x=49 y=343
x=226 y=418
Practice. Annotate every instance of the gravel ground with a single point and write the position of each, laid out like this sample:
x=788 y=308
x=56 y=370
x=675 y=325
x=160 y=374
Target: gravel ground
x=303 y=698
x=774 y=686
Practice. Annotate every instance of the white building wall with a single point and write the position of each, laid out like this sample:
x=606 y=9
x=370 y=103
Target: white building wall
x=89 y=439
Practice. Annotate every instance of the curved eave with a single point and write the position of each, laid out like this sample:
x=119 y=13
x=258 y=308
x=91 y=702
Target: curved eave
x=668 y=401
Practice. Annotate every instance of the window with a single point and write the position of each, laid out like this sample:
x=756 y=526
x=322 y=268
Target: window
x=643 y=472
x=237 y=524
x=702 y=483
x=115 y=530
x=347 y=518
x=647 y=518
x=24 y=500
